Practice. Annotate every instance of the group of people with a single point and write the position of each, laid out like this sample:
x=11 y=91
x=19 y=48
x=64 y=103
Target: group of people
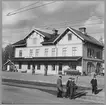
x=70 y=88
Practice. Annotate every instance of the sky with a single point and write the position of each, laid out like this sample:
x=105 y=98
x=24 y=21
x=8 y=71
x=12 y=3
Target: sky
x=59 y=15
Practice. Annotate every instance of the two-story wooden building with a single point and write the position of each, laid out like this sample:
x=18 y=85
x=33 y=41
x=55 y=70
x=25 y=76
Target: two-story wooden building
x=73 y=48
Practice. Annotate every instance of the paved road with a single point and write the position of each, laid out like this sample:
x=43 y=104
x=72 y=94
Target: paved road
x=17 y=95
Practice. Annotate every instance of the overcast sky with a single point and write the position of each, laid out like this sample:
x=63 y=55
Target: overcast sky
x=16 y=27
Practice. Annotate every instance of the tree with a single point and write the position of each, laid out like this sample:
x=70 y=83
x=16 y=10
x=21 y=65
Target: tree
x=7 y=53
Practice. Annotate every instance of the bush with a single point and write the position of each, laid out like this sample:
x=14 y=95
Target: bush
x=72 y=72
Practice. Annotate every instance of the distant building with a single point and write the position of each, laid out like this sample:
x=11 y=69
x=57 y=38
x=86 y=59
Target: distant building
x=9 y=66
x=53 y=52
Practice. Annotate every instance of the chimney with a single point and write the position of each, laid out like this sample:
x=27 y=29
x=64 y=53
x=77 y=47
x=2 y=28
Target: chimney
x=55 y=32
x=83 y=30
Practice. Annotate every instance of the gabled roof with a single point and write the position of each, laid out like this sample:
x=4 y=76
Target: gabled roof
x=82 y=36
x=8 y=62
x=88 y=38
x=52 y=39
x=20 y=43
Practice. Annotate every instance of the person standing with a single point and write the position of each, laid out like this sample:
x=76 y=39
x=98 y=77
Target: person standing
x=59 y=87
x=72 y=88
x=94 y=84
x=68 y=88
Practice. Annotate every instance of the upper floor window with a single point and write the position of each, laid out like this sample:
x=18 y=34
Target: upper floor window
x=64 y=50
x=31 y=53
x=90 y=53
x=98 y=55
x=53 y=51
x=34 y=40
x=36 y=52
x=20 y=53
x=69 y=36
x=74 y=50
x=46 y=51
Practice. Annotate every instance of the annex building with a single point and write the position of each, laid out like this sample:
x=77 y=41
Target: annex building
x=73 y=48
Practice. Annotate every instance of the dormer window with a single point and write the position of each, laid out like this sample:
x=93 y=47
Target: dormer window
x=34 y=40
x=69 y=36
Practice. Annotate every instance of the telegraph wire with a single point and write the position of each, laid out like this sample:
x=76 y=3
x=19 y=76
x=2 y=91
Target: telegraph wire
x=23 y=7
x=13 y=13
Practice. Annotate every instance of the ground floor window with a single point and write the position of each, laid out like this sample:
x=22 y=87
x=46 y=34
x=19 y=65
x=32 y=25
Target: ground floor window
x=74 y=67
x=38 y=66
x=90 y=67
x=53 y=67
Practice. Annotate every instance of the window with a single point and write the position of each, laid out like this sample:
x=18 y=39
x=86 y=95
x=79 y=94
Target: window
x=28 y=66
x=36 y=52
x=20 y=53
x=34 y=40
x=74 y=49
x=69 y=36
x=38 y=66
x=74 y=67
x=53 y=67
x=98 y=55
x=64 y=52
x=20 y=65
x=53 y=51
x=46 y=52
x=90 y=52
x=31 y=53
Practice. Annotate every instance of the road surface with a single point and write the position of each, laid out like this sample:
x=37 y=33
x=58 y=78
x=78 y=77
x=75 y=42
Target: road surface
x=19 y=95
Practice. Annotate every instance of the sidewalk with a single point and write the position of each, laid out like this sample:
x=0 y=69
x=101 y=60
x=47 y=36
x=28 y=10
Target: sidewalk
x=83 y=81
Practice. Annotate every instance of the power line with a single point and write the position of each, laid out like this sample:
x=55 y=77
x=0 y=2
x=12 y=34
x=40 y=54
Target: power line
x=9 y=14
x=23 y=7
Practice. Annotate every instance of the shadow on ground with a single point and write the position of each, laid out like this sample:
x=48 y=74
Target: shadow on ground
x=53 y=92
x=98 y=90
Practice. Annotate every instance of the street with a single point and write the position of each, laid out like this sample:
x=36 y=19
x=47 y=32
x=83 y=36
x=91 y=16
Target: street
x=18 y=95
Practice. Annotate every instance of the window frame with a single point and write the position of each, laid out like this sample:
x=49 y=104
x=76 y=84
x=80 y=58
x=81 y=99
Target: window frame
x=34 y=42
x=20 y=53
x=46 y=52
x=31 y=52
x=69 y=36
x=64 y=51
x=37 y=52
x=53 y=52
x=74 y=49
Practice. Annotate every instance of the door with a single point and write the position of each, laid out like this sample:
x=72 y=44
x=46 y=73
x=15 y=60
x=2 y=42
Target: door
x=60 y=68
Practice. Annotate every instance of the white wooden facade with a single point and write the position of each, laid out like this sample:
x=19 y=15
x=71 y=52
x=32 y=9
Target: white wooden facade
x=70 y=45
